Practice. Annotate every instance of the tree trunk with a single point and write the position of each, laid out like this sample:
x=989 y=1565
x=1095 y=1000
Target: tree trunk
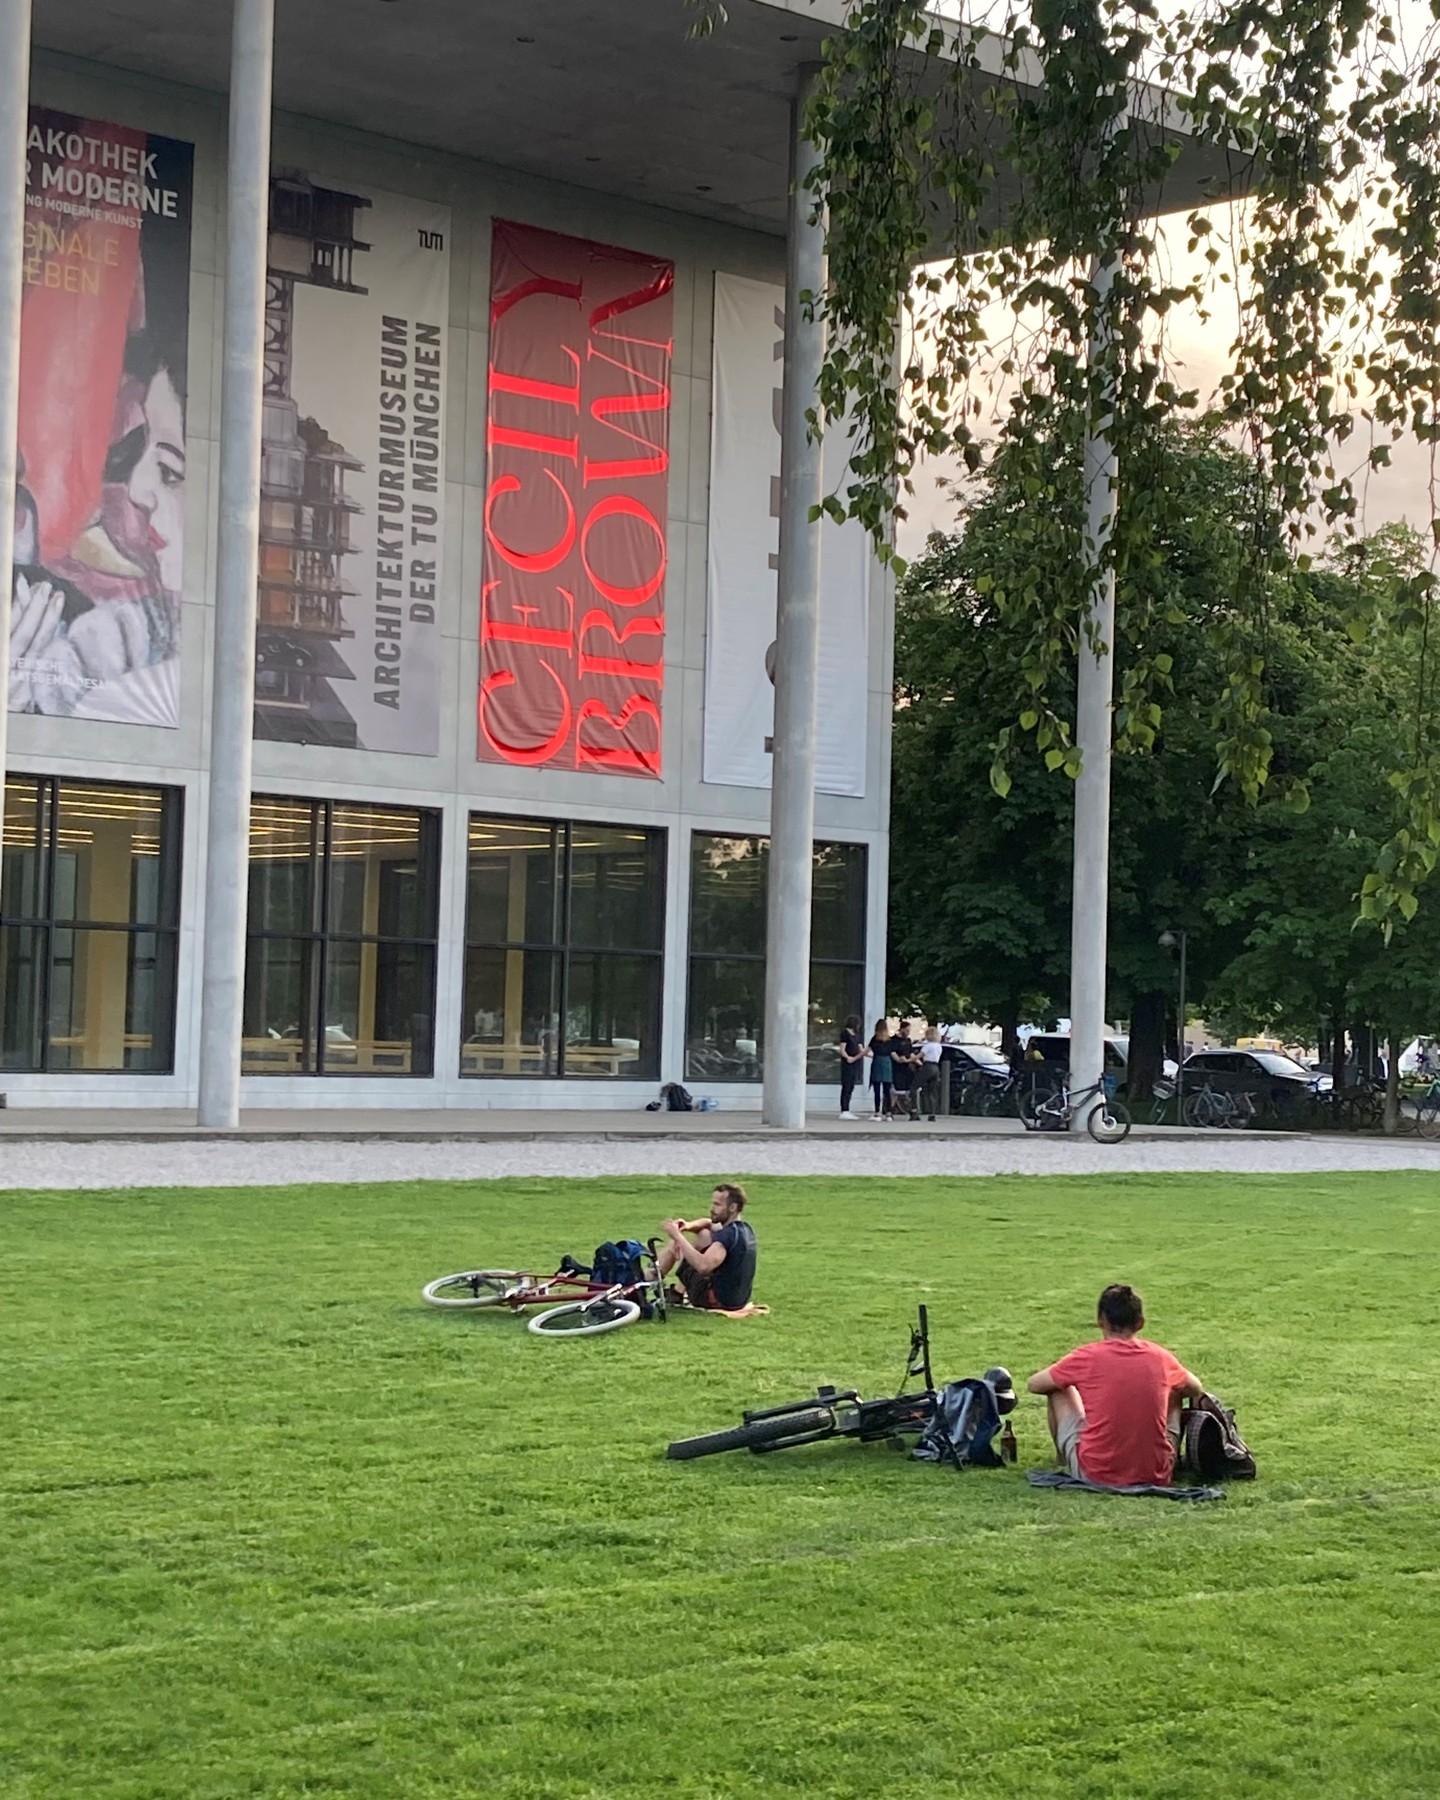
x=1337 y=1041
x=1010 y=1034
x=1363 y=1037
x=1322 y=1043
x=1392 y=1084
x=1147 y=1043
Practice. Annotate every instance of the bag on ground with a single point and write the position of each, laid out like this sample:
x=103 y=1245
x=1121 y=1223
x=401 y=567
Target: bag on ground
x=963 y=1427
x=618 y=1265
x=677 y=1098
x=1211 y=1449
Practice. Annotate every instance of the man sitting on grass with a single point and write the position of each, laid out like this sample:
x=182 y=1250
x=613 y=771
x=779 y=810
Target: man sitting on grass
x=714 y=1258
x=1115 y=1406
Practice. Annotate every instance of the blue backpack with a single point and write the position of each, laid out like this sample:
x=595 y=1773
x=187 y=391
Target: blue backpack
x=620 y=1263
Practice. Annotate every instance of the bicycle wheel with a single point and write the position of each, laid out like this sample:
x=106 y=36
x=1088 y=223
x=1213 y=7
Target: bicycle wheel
x=759 y=1434
x=1196 y=1110
x=1031 y=1097
x=973 y=1094
x=478 y=1287
x=1108 y=1122
x=888 y=1418
x=1427 y=1120
x=584 y=1318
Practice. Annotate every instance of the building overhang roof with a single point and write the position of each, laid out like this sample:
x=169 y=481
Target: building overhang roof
x=615 y=96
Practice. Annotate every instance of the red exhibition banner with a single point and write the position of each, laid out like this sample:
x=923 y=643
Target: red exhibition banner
x=572 y=615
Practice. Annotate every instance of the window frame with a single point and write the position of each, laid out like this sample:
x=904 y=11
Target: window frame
x=693 y=956
x=562 y=946
x=164 y=928
x=319 y=936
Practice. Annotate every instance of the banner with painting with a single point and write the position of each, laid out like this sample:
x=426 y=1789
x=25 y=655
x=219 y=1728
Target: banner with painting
x=744 y=543
x=100 y=498
x=572 y=621
x=352 y=485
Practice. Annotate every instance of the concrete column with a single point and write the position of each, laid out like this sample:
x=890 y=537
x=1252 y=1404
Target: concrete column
x=14 y=122
x=797 y=652
x=1091 y=880
x=233 y=695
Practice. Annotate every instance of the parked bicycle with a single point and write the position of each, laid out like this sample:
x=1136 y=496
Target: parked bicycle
x=592 y=1299
x=983 y=1096
x=831 y=1412
x=1219 y=1108
x=1427 y=1110
x=1107 y=1121
x=1357 y=1108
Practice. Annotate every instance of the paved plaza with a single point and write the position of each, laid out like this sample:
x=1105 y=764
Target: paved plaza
x=610 y=1145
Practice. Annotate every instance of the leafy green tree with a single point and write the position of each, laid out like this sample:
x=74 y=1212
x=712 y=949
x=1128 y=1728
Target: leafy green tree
x=980 y=903
x=1344 y=663
x=1023 y=167
x=980 y=890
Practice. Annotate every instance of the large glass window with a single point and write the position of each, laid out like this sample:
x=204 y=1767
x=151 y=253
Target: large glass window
x=89 y=910
x=724 y=1027
x=340 y=963
x=564 y=942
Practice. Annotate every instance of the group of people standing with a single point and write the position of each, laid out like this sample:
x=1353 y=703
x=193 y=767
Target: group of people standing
x=907 y=1076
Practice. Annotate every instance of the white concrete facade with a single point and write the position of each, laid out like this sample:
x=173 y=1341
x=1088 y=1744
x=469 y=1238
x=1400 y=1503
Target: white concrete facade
x=454 y=782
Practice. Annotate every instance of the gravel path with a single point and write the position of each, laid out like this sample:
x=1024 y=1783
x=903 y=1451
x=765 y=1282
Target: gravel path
x=63 y=1165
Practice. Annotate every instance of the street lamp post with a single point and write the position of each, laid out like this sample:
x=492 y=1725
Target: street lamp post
x=1167 y=941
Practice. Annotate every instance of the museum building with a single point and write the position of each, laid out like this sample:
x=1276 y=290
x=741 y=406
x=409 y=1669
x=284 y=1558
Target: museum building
x=516 y=541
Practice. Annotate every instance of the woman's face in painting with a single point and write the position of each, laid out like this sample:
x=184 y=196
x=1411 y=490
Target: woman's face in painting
x=156 y=488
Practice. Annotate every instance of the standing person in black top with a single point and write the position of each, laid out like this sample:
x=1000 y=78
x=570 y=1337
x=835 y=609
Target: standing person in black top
x=852 y=1064
x=714 y=1258
x=904 y=1055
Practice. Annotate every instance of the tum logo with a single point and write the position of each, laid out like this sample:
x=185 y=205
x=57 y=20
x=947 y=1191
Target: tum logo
x=432 y=240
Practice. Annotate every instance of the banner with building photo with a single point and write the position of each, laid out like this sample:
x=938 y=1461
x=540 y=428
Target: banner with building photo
x=572 y=624
x=352 y=507
x=744 y=543
x=100 y=498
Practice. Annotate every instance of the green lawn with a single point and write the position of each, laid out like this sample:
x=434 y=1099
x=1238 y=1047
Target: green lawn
x=273 y=1528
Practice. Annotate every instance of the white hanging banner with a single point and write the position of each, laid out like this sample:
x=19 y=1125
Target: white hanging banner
x=744 y=542
x=348 y=645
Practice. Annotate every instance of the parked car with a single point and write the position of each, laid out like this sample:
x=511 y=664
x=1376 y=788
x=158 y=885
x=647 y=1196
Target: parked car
x=1279 y=1083
x=1054 y=1049
x=967 y=1061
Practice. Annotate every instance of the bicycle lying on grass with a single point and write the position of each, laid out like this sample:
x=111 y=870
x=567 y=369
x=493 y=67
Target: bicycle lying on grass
x=590 y=1301
x=831 y=1412
x=1108 y=1121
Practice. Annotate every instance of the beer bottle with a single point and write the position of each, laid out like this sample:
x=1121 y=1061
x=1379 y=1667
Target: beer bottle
x=1009 y=1449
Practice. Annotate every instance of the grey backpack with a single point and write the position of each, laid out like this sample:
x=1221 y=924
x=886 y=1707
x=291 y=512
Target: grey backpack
x=963 y=1427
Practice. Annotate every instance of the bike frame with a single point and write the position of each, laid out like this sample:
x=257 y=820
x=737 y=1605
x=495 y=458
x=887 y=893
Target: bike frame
x=866 y=1419
x=579 y=1284
x=1067 y=1101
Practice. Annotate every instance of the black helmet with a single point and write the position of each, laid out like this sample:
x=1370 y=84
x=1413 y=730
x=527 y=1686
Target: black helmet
x=1003 y=1383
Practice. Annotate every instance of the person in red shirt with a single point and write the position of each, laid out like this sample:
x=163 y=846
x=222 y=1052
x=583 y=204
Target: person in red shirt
x=1115 y=1406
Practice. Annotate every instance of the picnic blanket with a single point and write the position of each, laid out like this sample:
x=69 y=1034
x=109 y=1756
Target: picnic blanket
x=1057 y=1478
x=680 y=1301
